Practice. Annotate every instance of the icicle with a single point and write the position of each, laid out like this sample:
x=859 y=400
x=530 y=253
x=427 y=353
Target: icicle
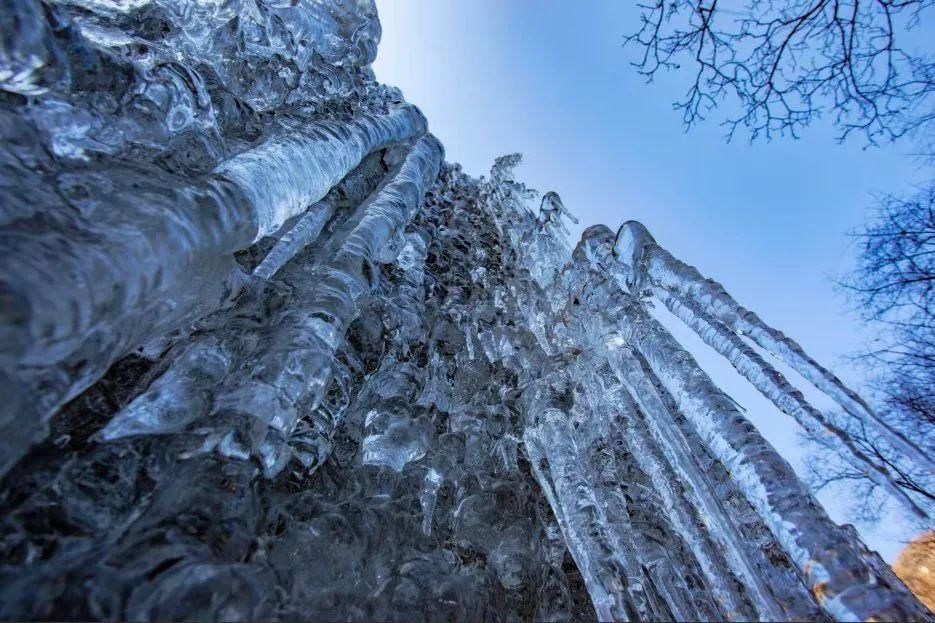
x=637 y=249
x=829 y=563
x=666 y=434
x=301 y=329
x=296 y=368
x=155 y=255
x=289 y=172
x=661 y=430
x=411 y=337
x=650 y=580
x=427 y=498
x=701 y=537
x=597 y=449
x=303 y=233
x=559 y=469
x=409 y=303
x=178 y=397
x=151 y=260
x=185 y=391
x=608 y=408
x=780 y=392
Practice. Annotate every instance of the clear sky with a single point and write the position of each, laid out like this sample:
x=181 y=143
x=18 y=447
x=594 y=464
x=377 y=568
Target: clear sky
x=550 y=79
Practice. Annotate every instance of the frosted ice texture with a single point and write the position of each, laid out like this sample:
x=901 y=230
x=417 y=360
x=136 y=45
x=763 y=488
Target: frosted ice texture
x=267 y=357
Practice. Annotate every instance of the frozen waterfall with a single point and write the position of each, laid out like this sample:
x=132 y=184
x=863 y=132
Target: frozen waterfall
x=267 y=356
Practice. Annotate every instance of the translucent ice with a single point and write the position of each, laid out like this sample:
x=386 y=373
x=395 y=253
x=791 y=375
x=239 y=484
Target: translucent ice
x=267 y=357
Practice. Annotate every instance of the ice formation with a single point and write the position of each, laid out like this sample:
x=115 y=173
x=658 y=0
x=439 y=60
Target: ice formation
x=266 y=356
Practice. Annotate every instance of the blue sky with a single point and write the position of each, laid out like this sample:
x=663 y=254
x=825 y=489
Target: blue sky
x=550 y=79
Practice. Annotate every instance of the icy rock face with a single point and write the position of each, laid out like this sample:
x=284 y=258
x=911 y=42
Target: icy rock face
x=266 y=356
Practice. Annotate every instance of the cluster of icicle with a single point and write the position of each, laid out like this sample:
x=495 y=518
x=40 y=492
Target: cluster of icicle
x=267 y=357
x=689 y=438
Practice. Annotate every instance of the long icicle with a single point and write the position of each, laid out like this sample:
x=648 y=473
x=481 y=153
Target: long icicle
x=554 y=458
x=665 y=432
x=289 y=172
x=642 y=584
x=150 y=260
x=184 y=391
x=300 y=352
x=592 y=253
x=686 y=522
x=637 y=521
x=636 y=248
x=296 y=369
x=582 y=538
x=781 y=393
x=828 y=562
x=306 y=230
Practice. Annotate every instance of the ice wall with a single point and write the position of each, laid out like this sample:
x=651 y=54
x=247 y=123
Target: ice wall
x=267 y=356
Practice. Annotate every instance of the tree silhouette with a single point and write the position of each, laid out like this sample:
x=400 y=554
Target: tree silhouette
x=894 y=284
x=786 y=62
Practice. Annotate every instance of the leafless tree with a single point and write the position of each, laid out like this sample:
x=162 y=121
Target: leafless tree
x=894 y=287
x=786 y=62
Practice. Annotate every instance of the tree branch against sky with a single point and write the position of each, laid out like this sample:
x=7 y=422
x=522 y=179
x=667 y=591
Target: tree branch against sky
x=784 y=63
x=894 y=285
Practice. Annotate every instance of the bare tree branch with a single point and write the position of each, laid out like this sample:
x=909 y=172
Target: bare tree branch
x=894 y=286
x=787 y=62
